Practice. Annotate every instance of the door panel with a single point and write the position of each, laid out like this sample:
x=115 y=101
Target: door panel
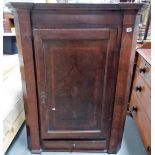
x=72 y=71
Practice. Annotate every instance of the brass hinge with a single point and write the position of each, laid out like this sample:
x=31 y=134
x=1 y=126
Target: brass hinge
x=42 y=97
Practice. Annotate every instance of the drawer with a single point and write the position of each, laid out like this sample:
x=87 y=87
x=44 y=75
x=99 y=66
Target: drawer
x=143 y=93
x=74 y=145
x=142 y=121
x=144 y=69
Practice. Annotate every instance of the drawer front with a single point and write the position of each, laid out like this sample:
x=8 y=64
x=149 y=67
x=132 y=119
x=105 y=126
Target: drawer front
x=74 y=145
x=142 y=121
x=144 y=69
x=143 y=93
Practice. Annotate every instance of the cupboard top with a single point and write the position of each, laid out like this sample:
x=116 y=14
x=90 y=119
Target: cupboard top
x=77 y=6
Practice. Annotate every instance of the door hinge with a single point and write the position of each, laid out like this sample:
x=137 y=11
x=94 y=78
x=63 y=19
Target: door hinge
x=42 y=97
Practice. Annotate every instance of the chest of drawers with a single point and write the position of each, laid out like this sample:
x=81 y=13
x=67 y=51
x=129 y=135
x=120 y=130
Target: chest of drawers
x=140 y=101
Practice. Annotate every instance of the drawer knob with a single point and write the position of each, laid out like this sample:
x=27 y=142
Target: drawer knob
x=134 y=109
x=142 y=70
x=139 y=88
x=149 y=149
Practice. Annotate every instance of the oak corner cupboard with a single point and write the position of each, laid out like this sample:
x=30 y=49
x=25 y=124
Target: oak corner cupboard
x=76 y=65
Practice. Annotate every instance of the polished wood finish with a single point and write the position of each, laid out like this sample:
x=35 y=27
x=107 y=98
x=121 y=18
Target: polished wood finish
x=142 y=120
x=142 y=91
x=145 y=53
x=76 y=64
x=140 y=101
x=144 y=68
x=25 y=52
x=75 y=145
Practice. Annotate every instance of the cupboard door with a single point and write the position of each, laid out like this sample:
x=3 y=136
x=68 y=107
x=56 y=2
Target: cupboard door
x=76 y=77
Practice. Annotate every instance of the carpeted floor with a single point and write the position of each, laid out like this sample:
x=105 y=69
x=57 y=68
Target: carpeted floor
x=131 y=144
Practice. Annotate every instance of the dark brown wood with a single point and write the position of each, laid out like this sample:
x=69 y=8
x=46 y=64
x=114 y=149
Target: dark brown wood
x=81 y=58
x=74 y=63
x=75 y=145
x=127 y=53
x=26 y=59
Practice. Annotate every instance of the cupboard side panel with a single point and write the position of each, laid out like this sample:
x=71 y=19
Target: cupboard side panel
x=26 y=59
x=126 y=62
